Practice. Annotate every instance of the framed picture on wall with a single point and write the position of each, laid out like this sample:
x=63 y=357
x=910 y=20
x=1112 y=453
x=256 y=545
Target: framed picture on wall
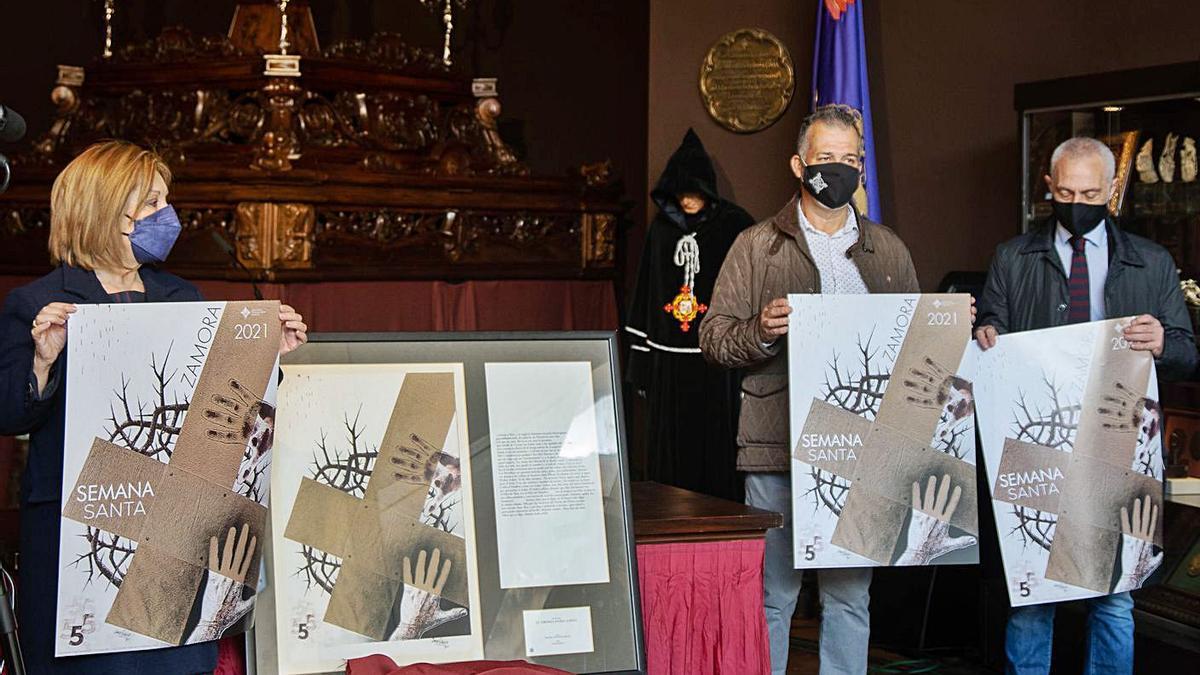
x=451 y=497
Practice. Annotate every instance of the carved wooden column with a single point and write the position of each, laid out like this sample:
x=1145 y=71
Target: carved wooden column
x=599 y=240
x=279 y=145
x=65 y=97
x=599 y=230
x=274 y=236
x=487 y=110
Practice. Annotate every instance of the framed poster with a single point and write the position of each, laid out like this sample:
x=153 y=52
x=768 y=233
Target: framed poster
x=1072 y=442
x=166 y=473
x=449 y=497
x=882 y=430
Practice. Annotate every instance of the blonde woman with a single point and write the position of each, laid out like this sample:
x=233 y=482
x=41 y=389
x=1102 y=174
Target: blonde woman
x=110 y=222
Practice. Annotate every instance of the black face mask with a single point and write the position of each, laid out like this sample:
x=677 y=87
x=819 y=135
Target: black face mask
x=832 y=184
x=1079 y=219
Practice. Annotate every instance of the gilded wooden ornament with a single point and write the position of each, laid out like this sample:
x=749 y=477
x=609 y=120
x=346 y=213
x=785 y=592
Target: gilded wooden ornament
x=275 y=236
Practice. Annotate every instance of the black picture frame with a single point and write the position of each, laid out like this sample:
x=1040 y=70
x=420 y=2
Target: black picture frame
x=619 y=649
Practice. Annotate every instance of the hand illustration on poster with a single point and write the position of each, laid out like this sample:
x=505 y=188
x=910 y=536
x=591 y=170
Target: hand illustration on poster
x=373 y=524
x=155 y=487
x=883 y=431
x=1072 y=444
x=226 y=599
x=929 y=525
x=421 y=607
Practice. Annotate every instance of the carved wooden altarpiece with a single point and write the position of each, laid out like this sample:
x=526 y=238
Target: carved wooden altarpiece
x=374 y=161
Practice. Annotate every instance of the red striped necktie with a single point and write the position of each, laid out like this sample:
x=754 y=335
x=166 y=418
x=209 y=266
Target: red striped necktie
x=1080 y=291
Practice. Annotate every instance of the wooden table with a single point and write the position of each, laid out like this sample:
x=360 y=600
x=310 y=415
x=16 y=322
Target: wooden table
x=662 y=514
x=700 y=574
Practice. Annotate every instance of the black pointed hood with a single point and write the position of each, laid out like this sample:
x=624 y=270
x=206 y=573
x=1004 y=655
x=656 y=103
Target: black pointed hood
x=689 y=170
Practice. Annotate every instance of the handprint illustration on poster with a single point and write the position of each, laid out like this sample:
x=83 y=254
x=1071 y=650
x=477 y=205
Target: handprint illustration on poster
x=1072 y=443
x=169 y=434
x=882 y=431
x=373 y=520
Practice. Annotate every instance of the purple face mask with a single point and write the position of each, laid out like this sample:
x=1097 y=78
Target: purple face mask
x=154 y=235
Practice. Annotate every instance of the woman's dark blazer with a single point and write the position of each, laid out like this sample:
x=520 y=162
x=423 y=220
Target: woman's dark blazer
x=23 y=411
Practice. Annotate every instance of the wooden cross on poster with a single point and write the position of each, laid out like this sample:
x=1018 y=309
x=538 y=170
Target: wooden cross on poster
x=374 y=534
x=884 y=457
x=1083 y=490
x=172 y=511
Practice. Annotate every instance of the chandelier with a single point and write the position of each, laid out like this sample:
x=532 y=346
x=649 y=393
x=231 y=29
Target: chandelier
x=447 y=7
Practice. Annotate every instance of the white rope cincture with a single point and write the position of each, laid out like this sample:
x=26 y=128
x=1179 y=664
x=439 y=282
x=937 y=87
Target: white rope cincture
x=687 y=256
x=676 y=350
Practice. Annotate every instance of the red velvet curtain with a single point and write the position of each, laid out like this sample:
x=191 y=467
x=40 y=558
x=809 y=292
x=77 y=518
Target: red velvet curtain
x=350 y=306
x=702 y=608
x=439 y=306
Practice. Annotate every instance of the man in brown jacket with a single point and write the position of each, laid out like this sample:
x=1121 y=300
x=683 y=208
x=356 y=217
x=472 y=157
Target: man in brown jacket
x=818 y=243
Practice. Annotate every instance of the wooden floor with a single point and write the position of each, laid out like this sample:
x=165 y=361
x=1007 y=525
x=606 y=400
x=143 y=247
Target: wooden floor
x=803 y=659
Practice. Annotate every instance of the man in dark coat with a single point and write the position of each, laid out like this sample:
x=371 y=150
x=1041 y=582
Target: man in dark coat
x=1076 y=267
x=692 y=405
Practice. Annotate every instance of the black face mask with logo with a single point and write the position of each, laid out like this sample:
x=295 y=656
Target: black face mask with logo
x=832 y=184
x=1079 y=219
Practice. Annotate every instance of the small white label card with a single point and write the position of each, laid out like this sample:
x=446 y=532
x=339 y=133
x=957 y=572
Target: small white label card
x=566 y=630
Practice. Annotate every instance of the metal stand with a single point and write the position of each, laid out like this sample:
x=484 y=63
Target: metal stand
x=13 y=660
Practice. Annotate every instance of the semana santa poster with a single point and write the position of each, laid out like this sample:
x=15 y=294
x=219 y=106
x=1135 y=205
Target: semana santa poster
x=169 y=426
x=882 y=430
x=373 y=530
x=1072 y=442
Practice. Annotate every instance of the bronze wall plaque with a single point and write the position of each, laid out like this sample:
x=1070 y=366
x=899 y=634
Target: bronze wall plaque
x=746 y=80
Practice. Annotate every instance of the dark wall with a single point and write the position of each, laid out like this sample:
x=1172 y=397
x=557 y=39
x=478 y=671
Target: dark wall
x=752 y=169
x=942 y=76
x=572 y=74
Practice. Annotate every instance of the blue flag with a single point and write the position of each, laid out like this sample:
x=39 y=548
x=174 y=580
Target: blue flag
x=840 y=76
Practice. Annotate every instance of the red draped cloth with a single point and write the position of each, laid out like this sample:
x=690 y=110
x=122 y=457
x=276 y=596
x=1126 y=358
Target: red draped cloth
x=378 y=664
x=350 y=306
x=702 y=608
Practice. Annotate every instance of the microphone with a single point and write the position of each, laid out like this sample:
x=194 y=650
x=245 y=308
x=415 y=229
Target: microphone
x=225 y=246
x=12 y=125
x=12 y=128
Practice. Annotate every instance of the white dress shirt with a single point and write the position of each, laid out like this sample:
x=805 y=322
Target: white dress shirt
x=1096 y=251
x=838 y=272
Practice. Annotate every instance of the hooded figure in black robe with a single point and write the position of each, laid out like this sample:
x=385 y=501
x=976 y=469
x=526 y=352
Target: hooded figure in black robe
x=692 y=406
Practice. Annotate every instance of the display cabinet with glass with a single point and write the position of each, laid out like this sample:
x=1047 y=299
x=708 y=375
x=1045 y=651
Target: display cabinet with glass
x=1150 y=117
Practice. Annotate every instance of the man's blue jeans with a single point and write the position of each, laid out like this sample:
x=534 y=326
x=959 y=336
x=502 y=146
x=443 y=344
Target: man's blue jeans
x=1109 y=646
x=845 y=593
